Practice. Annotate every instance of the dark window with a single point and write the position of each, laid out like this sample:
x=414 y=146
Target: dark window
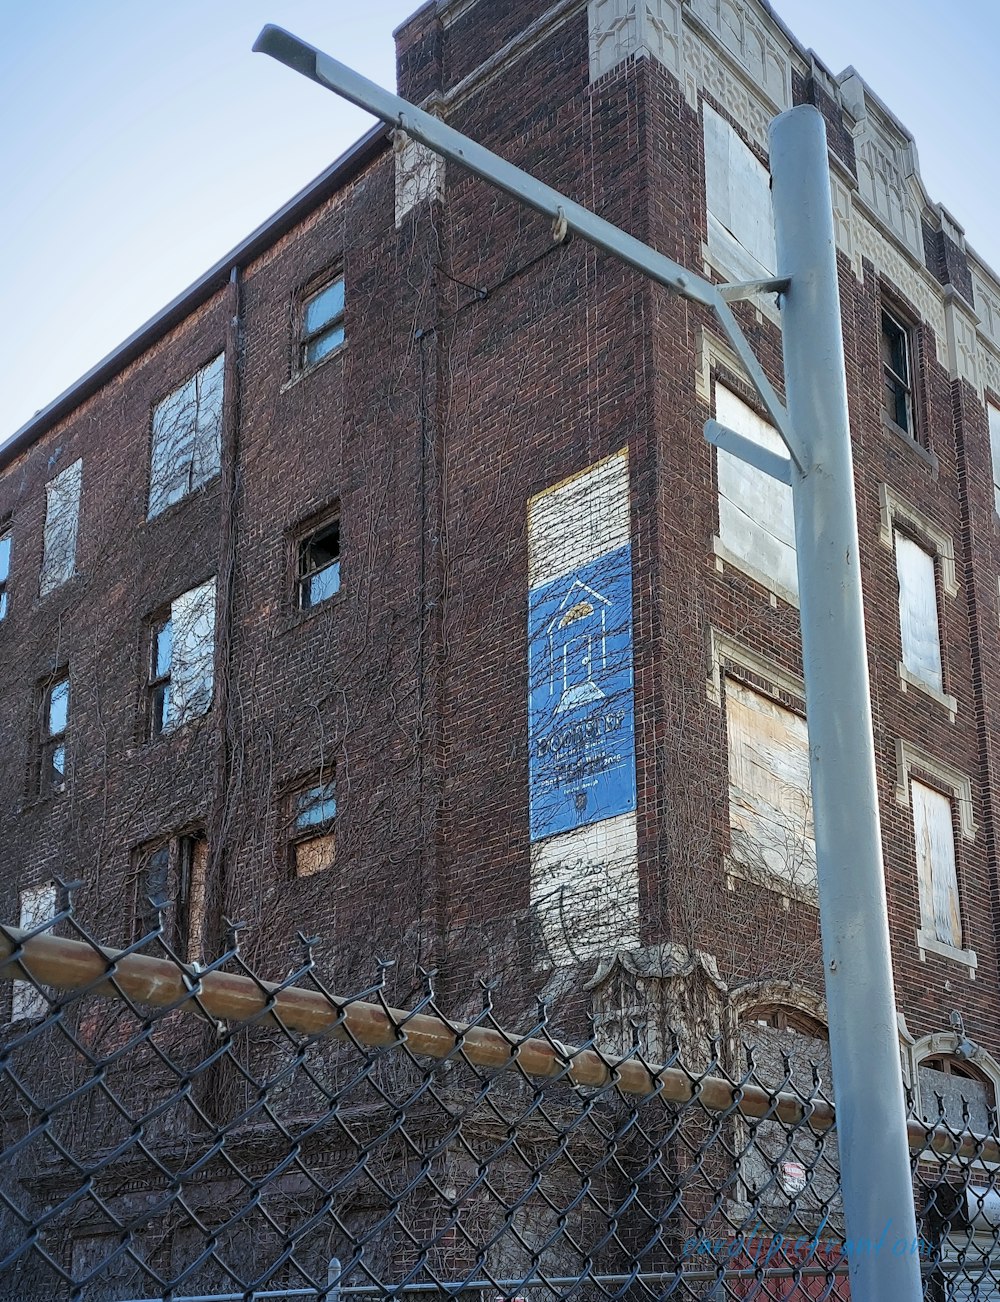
x=322 y=323
x=312 y=811
x=319 y=566
x=170 y=890
x=5 y=541
x=54 y=722
x=897 y=395
x=160 y=652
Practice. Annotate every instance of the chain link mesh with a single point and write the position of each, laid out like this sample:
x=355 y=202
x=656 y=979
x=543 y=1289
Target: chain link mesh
x=177 y=1133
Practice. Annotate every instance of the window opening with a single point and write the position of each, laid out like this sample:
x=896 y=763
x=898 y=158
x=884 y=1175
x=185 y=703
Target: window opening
x=319 y=566
x=897 y=394
x=322 y=323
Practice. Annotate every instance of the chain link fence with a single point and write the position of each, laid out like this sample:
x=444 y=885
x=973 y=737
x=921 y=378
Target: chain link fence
x=181 y=1133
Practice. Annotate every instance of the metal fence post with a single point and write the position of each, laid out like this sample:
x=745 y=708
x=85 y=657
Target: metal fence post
x=864 y=1042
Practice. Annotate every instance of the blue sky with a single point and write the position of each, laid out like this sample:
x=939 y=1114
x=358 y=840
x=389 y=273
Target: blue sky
x=142 y=140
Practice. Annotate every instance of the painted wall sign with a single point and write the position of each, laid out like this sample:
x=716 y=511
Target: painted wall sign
x=581 y=727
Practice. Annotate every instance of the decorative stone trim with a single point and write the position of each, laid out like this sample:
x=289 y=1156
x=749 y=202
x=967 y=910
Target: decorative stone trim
x=724 y=650
x=959 y=784
x=894 y=507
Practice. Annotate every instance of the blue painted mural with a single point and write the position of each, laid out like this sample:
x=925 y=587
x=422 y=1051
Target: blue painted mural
x=581 y=724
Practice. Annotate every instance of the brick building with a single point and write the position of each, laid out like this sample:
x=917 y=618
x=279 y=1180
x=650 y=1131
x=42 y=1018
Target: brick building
x=384 y=586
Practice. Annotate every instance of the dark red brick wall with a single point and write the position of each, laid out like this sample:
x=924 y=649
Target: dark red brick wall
x=484 y=363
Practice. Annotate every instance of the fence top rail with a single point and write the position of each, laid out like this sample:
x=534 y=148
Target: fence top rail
x=84 y=966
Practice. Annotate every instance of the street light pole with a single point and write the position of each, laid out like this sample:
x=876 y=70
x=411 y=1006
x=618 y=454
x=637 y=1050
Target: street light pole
x=871 y=1120
x=864 y=1040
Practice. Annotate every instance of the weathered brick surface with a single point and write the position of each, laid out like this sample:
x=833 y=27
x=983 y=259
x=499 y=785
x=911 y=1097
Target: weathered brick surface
x=483 y=364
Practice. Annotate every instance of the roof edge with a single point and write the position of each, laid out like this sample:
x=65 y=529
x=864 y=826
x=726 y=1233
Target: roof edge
x=363 y=151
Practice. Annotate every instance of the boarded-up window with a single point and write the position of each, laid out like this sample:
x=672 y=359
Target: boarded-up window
x=756 y=525
x=62 y=519
x=934 y=831
x=738 y=193
x=994 y=415
x=918 y=617
x=187 y=437
x=770 y=805
x=950 y=1093
x=38 y=906
x=312 y=814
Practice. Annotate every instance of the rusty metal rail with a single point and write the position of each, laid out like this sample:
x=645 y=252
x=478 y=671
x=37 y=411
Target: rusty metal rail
x=74 y=965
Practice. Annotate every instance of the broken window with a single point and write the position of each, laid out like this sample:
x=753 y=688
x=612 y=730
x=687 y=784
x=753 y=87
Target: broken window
x=53 y=722
x=5 y=544
x=756 y=525
x=39 y=904
x=897 y=397
x=312 y=810
x=918 y=615
x=62 y=518
x=187 y=437
x=319 y=566
x=180 y=673
x=738 y=194
x=937 y=875
x=994 y=416
x=171 y=879
x=770 y=803
x=321 y=324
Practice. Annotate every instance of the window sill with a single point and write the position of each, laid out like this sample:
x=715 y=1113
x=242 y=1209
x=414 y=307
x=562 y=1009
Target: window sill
x=908 y=679
x=65 y=588
x=723 y=557
x=306 y=371
x=296 y=618
x=800 y=892
x=898 y=434
x=199 y=490
x=928 y=944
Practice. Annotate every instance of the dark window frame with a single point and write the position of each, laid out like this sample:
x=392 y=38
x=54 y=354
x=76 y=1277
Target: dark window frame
x=316 y=341
x=897 y=339
x=308 y=569
x=51 y=779
x=177 y=887
x=159 y=627
x=6 y=550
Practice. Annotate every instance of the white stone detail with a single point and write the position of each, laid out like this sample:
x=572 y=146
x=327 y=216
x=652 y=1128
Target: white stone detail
x=621 y=28
x=419 y=174
x=987 y=306
x=843 y=221
x=990 y=369
x=739 y=28
x=727 y=87
x=887 y=164
x=963 y=343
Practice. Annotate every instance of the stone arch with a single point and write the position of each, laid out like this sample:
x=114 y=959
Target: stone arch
x=968 y=1061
